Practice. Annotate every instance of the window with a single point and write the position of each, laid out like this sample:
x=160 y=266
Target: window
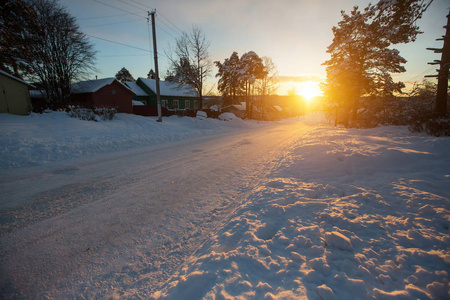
x=187 y=104
x=164 y=103
x=195 y=104
x=175 y=104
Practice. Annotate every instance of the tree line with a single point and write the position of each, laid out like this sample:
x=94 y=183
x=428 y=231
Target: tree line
x=41 y=41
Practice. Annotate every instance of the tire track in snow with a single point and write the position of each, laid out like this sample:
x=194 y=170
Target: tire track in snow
x=149 y=210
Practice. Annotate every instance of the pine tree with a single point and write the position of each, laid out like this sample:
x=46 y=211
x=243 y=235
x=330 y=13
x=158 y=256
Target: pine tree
x=361 y=62
x=229 y=84
x=151 y=74
x=251 y=68
x=124 y=75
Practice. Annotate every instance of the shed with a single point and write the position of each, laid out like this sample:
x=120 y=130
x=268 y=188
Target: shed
x=174 y=96
x=14 y=95
x=106 y=92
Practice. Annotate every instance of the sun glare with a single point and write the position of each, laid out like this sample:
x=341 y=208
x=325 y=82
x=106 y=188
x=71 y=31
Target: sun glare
x=309 y=90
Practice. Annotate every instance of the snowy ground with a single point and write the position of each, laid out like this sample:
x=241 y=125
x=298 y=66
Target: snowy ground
x=192 y=209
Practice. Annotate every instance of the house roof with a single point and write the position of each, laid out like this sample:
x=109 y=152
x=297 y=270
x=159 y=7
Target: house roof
x=137 y=90
x=15 y=78
x=91 y=86
x=167 y=88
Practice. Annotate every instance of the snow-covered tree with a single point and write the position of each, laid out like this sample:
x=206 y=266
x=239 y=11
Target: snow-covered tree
x=361 y=63
x=124 y=75
x=251 y=68
x=229 y=78
x=397 y=18
x=248 y=75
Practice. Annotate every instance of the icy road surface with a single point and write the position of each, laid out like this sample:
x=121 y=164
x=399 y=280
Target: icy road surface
x=126 y=220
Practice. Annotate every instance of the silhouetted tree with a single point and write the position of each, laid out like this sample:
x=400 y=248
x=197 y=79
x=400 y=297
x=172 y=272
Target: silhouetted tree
x=151 y=74
x=54 y=52
x=18 y=29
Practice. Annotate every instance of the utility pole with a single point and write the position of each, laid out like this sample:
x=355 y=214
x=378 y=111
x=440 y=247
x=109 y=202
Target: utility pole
x=444 y=65
x=155 y=55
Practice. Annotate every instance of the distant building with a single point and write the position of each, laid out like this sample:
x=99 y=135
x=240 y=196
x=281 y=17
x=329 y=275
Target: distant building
x=14 y=95
x=174 y=97
x=106 y=92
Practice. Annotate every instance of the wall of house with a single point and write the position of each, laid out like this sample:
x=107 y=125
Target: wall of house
x=151 y=99
x=14 y=96
x=114 y=95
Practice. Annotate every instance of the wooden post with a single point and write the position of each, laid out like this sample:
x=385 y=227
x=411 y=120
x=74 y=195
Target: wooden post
x=442 y=89
x=155 y=55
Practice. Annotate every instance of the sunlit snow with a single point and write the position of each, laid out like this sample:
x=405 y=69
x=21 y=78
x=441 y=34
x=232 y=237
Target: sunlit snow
x=327 y=213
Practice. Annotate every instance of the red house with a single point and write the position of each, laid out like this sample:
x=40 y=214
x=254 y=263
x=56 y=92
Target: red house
x=106 y=92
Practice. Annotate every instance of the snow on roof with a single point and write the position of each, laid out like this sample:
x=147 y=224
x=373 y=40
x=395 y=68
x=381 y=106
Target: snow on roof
x=91 y=86
x=137 y=90
x=15 y=78
x=167 y=88
x=137 y=103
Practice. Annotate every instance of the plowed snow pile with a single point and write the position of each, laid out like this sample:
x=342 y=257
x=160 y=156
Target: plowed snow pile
x=348 y=214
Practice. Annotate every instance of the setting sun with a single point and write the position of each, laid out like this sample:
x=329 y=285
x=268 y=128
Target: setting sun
x=309 y=90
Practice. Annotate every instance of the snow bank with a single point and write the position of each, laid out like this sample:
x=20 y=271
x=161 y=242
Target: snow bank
x=349 y=214
x=44 y=138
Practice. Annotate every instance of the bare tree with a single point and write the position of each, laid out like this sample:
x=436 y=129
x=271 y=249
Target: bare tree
x=191 y=64
x=268 y=85
x=57 y=53
x=17 y=20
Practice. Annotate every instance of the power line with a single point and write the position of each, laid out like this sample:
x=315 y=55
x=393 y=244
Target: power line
x=112 y=23
x=146 y=6
x=131 y=5
x=126 y=45
x=419 y=75
x=103 y=17
x=171 y=22
x=118 y=8
x=123 y=55
x=176 y=32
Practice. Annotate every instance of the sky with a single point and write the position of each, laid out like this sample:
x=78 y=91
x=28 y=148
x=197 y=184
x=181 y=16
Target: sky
x=295 y=34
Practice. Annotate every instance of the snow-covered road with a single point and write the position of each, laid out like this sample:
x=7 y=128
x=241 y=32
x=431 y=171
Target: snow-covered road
x=127 y=220
x=205 y=209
